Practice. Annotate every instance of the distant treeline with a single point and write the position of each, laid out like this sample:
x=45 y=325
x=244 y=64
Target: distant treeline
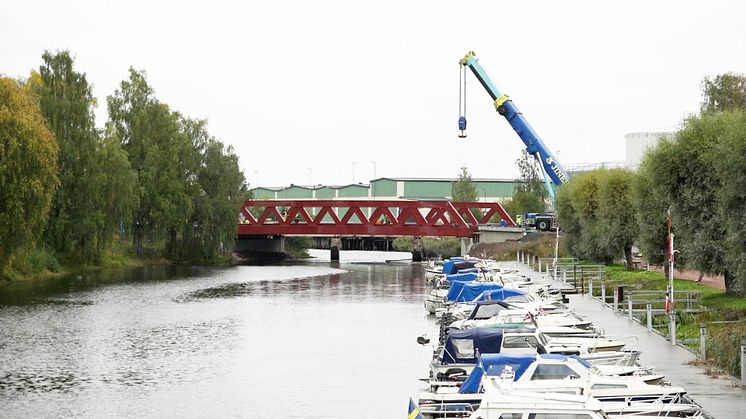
x=698 y=173
x=151 y=175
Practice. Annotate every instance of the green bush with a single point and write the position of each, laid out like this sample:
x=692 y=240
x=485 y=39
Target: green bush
x=298 y=246
x=44 y=259
x=433 y=247
x=724 y=346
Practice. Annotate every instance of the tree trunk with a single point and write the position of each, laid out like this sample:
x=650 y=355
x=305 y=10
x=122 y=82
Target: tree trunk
x=732 y=285
x=628 y=257
x=137 y=238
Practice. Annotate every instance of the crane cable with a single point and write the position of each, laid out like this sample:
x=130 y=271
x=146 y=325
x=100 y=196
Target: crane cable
x=462 y=93
x=462 y=101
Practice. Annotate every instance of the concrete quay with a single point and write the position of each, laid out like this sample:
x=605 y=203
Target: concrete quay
x=721 y=397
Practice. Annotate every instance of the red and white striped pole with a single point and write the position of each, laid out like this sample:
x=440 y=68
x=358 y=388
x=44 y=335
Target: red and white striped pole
x=670 y=310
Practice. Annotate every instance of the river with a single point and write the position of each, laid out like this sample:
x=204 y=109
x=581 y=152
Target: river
x=309 y=339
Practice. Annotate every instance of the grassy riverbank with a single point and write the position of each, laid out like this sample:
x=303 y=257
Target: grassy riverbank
x=42 y=264
x=723 y=316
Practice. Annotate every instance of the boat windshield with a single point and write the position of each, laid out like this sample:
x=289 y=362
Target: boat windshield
x=487 y=311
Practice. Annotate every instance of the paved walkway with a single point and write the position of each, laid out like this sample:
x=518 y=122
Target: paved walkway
x=723 y=398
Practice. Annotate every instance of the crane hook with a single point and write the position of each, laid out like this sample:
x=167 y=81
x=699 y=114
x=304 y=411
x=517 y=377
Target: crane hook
x=462 y=101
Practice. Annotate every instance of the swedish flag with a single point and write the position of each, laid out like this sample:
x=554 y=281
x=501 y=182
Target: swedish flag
x=414 y=412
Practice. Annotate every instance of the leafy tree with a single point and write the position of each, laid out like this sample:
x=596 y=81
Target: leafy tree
x=691 y=183
x=651 y=206
x=116 y=189
x=579 y=207
x=95 y=180
x=616 y=212
x=190 y=185
x=569 y=220
x=464 y=190
x=220 y=191
x=67 y=103
x=160 y=153
x=530 y=194
x=730 y=164
x=725 y=92
x=28 y=169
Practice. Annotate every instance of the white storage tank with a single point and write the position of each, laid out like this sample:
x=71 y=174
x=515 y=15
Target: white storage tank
x=637 y=143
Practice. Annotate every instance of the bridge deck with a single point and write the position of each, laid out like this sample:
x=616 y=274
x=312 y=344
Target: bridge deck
x=389 y=218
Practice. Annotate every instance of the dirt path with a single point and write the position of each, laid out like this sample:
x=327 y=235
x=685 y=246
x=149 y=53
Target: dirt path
x=716 y=281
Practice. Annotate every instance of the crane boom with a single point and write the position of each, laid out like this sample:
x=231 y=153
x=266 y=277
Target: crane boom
x=505 y=107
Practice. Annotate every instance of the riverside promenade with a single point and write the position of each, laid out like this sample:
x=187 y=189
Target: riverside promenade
x=721 y=397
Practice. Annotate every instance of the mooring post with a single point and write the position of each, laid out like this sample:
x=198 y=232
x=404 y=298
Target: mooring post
x=743 y=361
x=703 y=341
x=603 y=293
x=616 y=299
x=649 y=316
x=590 y=285
x=417 y=249
x=518 y=257
x=672 y=327
x=539 y=265
x=334 y=245
x=629 y=306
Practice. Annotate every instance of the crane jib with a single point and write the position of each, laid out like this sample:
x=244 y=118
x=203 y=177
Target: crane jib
x=505 y=107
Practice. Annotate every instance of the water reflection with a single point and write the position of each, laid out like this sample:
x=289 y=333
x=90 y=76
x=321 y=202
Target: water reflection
x=154 y=342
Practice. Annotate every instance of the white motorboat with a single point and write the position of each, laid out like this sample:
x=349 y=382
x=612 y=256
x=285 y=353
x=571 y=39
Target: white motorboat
x=501 y=401
x=555 y=374
x=462 y=349
x=528 y=318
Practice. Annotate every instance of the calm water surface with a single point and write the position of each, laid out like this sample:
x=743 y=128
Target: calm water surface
x=311 y=340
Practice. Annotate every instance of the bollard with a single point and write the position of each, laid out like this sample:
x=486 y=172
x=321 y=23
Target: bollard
x=547 y=265
x=590 y=287
x=743 y=361
x=649 y=309
x=517 y=257
x=616 y=299
x=672 y=327
x=564 y=276
x=629 y=307
x=603 y=293
x=703 y=341
x=539 y=265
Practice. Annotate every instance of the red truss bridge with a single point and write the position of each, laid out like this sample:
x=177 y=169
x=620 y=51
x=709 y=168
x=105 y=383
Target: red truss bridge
x=380 y=218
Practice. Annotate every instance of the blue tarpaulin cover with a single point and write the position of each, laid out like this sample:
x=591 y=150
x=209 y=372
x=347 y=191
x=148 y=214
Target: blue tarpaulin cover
x=471 y=290
x=453 y=265
x=485 y=340
x=499 y=294
x=494 y=364
x=457 y=281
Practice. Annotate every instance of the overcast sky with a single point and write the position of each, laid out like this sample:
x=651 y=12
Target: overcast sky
x=335 y=85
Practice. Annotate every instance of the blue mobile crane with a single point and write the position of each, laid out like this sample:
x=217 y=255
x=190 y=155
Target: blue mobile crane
x=554 y=174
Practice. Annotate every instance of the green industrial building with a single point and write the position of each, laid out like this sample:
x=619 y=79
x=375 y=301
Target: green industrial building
x=489 y=190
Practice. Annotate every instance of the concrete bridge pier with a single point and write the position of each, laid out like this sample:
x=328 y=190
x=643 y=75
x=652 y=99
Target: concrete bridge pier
x=417 y=249
x=466 y=244
x=260 y=248
x=334 y=246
